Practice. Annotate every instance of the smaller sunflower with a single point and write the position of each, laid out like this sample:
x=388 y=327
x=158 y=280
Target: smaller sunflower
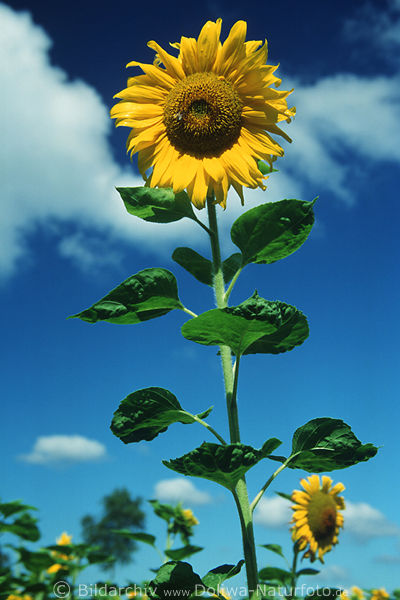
x=380 y=594
x=189 y=517
x=357 y=592
x=316 y=516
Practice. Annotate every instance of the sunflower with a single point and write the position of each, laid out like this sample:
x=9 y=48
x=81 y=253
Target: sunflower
x=203 y=119
x=316 y=516
x=189 y=517
x=380 y=594
x=63 y=540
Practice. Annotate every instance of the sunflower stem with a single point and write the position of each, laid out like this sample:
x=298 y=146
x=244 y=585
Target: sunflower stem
x=189 y=312
x=232 y=283
x=267 y=484
x=231 y=374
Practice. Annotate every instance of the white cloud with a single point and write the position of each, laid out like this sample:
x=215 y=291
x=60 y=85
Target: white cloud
x=180 y=490
x=56 y=449
x=334 y=575
x=56 y=162
x=57 y=166
x=341 y=118
x=365 y=522
x=273 y=512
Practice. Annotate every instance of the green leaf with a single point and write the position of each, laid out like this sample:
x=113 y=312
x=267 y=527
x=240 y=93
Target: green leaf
x=231 y=265
x=146 y=538
x=214 y=578
x=158 y=205
x=164 y=511
x=195 y=264
x=307 y=572
x=98 y=556
x=9 y=508
x=270 y=445
x=273 y=574
x=174 y=579
x=272 y=231
x=223 y=464
x=327 y=444
x=254 y=326
x=274 y=548
x=181 y=553
x=35 y=561
x=24 y=527
x=145 y=413
x=149 y=294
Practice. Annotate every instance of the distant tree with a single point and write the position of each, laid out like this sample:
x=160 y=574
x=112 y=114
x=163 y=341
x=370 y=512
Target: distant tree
x=120 y=511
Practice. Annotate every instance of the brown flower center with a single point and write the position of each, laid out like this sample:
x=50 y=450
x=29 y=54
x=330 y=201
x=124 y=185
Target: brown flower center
x=203 y=115
x=322 y=518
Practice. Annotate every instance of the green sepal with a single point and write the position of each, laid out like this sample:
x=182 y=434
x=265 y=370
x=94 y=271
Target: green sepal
x=276 y=548
x=222 y=464
x=146 y=538
x=157 y=205
x=24 y=526
x=273 y=231
x=254 y=326
x=181 y=553
x=174 y=578
x=195 y=264
x=282 y=494
x=214 y=578
x=327 y=444
x=275 y=575
x=265 y=167
x=149 y=294
x=145 y=413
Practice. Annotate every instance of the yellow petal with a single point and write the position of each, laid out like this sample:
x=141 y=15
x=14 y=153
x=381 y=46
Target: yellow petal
x=172 y=64
x=207 y=45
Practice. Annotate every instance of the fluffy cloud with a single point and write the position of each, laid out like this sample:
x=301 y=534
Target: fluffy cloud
x=57 y=166
x=334 y=575
x=180 y=490
x=365 y=522
x=56 y=449
x=55 y=157
x=273 y=512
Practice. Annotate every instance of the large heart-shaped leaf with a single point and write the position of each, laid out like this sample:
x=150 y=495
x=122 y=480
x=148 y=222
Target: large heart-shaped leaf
x=272 y=231
x=223 y=464
x=158 y=205
x=145 y=413
x=254 y=326
x=326 y=444
x=149 y=294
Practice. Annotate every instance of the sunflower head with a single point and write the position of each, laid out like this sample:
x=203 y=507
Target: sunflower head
x=317 y=517
x=380 y=594
x=201 y=120
x=189 y=517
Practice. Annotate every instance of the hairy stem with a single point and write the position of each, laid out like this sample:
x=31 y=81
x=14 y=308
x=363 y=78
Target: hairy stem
x=231 y=383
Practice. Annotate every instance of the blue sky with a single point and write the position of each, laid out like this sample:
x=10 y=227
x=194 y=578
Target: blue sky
x=66 y=240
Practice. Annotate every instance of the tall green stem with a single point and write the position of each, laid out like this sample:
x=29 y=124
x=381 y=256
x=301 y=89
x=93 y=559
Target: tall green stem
x=231 y=381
